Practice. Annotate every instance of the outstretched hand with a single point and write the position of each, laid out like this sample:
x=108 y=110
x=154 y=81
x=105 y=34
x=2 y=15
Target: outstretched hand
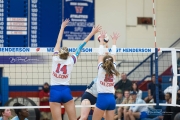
x=102 y=36
x=115 y=36
x=64 y=23
x=96 y=29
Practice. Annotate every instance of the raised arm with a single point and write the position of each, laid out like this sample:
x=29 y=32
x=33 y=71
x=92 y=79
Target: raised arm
x=58 y=43
x=93 y=32
x=114 y=37
x=101 y=47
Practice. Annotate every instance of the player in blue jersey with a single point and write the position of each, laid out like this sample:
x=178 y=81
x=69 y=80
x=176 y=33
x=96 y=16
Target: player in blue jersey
x=106 y=79
x=62 y=65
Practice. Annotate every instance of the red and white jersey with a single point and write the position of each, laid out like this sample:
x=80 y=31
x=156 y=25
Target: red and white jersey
x=61 y=70
x=105 y=83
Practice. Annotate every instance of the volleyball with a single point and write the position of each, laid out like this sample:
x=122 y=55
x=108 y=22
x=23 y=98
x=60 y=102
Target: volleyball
x=106 y=39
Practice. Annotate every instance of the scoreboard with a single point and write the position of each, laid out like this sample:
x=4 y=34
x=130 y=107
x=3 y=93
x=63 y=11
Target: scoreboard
x=36 y=23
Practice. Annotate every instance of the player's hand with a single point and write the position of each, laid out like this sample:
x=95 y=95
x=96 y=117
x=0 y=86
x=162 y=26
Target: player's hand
x=103 y=35
x=115 y=36
x=96 y=29
x=64 y=23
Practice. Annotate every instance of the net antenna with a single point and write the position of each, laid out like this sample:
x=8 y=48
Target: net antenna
x=154 y=24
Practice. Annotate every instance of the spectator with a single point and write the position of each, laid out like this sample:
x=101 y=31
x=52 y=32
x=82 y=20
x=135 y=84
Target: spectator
x=168 y=97
x=167 y=113
x=121 y=109
x=136 y=112
x=119 y=99
x=5 y=114
x=170 y=112
x=169 y=89
x=124 y=83
x=136 y=89
x=152 y=90
x=22 y=114
x=175 y=110
x=44 y=101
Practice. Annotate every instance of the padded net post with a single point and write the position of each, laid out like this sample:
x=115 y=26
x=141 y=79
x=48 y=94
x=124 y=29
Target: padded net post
x=156 y=77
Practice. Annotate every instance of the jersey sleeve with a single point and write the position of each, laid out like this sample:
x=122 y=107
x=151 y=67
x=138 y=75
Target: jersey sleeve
x=55 y=56
x=100 y=65
x=74 y=58
x=114 y=64
x=55 y=53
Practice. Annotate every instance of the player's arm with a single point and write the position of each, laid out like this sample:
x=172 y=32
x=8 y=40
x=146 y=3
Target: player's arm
x=93 y=32
x=114 y=37
x=101 y=47
x=58 y=43
x=106 y=45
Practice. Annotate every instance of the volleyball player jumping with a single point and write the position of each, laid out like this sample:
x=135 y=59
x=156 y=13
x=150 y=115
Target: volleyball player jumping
x=90 y=95
x=105 y=83
x=62 y=65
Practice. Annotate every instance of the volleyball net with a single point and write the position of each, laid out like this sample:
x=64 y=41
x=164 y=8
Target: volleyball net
x=25 y=70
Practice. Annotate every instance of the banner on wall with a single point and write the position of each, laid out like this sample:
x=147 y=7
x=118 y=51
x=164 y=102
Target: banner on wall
x=72 y=50
x=81 y=15
x=28 y=59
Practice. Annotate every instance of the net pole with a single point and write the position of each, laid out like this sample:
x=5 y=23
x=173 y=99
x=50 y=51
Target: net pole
x=156 y=77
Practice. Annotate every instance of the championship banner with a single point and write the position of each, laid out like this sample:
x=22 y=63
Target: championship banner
x=30 y=23
x=81 y=15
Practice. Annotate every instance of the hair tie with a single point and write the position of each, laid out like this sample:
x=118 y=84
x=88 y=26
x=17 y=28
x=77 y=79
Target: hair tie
x=108 y=59
x=62 y=51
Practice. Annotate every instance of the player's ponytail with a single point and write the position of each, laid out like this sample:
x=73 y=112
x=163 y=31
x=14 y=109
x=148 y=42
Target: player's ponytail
x=108 y=65
x=63 y=53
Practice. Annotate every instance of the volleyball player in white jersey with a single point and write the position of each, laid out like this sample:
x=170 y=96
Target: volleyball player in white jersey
x=106 y=79
x=62 y=65
x=90 y=95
